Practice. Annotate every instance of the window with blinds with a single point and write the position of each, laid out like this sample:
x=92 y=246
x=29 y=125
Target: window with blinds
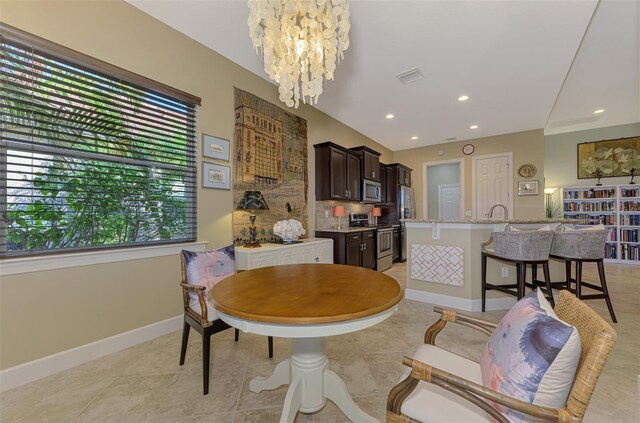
x=90 y=158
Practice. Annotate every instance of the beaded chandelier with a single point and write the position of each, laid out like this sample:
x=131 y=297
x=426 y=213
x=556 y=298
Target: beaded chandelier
x=301 y=41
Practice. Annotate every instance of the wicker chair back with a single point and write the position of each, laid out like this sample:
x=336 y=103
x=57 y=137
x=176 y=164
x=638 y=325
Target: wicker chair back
x=586 y=245
x=597 y=338
x=523 y=245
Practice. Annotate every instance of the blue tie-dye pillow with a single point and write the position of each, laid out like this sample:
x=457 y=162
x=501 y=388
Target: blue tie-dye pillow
x=208 y=268
x=532 y=356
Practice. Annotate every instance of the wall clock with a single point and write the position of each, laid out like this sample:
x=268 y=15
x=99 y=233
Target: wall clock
x=468 y=149
x=527 y=170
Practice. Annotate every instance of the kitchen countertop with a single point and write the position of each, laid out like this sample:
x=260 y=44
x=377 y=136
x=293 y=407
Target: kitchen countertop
x=349 y=230
x=494 y=221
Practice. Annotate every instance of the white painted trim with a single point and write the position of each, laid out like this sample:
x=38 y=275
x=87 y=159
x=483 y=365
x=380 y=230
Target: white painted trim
x=46 y=366
x=425 y=197
x=474 y=159
x=457 y=302
x=13 y=266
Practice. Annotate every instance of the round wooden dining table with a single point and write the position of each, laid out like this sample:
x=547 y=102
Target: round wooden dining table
x=307 y=302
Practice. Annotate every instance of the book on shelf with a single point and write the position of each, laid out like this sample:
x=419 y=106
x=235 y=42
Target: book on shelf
x=615 y=206
x=630 y=235
x=629 y=192
x=630 y=220
x=629 y=252
x=630 y=205
x=588 y=192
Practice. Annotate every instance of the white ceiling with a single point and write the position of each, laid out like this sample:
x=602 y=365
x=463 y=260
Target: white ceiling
x=510 y=57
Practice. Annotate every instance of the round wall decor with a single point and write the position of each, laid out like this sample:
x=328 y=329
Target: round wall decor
x=468 y=149
x=527 y=170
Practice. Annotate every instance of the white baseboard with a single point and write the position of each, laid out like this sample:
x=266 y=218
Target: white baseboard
x=457 y=302
x=37 y=369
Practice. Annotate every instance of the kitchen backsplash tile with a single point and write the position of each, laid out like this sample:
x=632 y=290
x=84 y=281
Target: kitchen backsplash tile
x=324 y=213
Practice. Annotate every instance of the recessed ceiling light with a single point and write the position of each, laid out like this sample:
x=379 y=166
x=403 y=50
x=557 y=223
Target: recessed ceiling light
x=597 y=112
x=473 y=127
x=389 y=116
x=463 y=98
x=414 y=137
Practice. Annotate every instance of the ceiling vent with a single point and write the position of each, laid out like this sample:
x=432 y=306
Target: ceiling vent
x=451 y=138
x=577 y=121
x=409 y=76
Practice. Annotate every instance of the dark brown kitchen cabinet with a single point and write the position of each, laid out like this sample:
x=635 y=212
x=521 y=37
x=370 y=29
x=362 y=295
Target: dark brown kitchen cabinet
x=368 y=254
x=353 y=177
x=353 y=251
x=337 y=173
x=383 y=183
x=404 y=176
x=403 y=173
x=352 y=248
x=370 y=162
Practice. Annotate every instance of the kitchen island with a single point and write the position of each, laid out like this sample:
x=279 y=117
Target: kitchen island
x=444 y=265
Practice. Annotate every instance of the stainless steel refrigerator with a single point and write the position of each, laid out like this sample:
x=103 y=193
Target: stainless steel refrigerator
x=407 y=210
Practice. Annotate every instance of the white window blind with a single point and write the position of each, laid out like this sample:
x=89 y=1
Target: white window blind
x=89 y=159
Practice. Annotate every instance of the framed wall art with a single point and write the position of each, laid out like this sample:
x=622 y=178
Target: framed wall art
x=604 y=159
x=216 y=176
x=214 y=147
x=529 y=187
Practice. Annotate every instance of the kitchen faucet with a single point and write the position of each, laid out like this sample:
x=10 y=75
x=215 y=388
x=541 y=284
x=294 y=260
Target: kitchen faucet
x=506 y=211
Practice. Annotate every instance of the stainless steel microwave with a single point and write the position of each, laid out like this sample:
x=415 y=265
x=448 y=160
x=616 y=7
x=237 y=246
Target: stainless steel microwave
x=371 y=191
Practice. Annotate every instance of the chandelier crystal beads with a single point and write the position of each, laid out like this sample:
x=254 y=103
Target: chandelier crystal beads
x=301 y=42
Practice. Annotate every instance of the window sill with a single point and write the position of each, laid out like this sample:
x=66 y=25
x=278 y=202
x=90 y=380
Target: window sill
x=37 y=264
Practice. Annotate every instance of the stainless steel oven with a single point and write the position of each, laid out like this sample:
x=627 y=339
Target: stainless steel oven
x=384 y=249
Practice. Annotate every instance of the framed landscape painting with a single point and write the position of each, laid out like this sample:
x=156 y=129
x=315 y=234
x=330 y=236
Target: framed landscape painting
x=608 y=158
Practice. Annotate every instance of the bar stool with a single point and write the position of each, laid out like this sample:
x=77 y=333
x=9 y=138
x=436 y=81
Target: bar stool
x=582 y=246
x=522 y=248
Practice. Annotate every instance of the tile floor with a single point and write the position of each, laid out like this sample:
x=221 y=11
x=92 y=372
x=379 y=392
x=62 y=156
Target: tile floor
x=145 y=384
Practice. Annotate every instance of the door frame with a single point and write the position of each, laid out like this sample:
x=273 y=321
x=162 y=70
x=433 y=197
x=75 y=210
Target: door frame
x=425 y=197
x=440 y=198
x=474 y=159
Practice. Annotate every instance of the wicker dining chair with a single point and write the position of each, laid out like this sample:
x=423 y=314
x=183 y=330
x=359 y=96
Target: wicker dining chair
x=206 y=323
x=596 y=337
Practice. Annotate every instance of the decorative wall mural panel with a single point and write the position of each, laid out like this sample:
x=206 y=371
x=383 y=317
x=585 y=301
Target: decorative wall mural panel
x=609 y=158
x=271 y=157
x=436 y=263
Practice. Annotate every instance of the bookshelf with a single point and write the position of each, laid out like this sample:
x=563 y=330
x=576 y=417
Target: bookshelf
x=615 y=206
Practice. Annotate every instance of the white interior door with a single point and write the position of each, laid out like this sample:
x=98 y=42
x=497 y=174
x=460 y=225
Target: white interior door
x=449 y=201
x=492 y=185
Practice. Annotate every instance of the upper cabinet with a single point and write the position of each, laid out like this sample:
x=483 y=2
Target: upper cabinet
x=337 y=173
x=403 y=174
x=370 y=163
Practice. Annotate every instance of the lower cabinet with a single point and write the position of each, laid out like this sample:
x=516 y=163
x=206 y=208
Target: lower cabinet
x=352 y=248
x=311 y=250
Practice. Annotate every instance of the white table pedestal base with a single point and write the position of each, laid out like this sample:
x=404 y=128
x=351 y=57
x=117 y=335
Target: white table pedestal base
x=310 y=382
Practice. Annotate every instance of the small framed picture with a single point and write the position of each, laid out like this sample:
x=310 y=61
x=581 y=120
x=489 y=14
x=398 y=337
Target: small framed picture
x=528 y=187
x=214 y=147
x=216 y=176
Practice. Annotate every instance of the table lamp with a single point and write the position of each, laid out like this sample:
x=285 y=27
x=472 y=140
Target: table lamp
x=376 y=213
x=252 y=201
x=338 y=211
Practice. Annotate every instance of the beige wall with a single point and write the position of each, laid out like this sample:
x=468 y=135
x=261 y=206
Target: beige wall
x=527 y=147
x=561 y=154
x=42 y=313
